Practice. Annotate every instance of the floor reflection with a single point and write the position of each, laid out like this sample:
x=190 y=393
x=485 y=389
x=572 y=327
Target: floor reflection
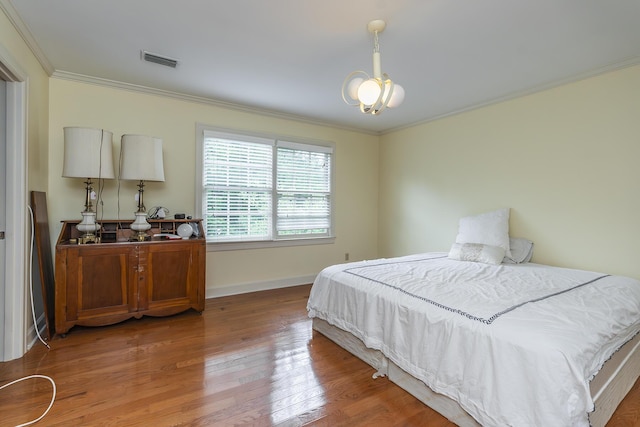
x=296 y=390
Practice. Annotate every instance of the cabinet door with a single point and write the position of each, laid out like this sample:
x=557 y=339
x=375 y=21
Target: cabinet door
x=98 y=290
x=170 y=278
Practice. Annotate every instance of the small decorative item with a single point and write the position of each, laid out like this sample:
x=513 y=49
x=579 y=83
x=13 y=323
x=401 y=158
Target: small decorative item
x=196 y=230
x=185 y=231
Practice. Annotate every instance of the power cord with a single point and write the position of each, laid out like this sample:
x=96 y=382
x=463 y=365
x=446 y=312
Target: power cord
x=33 y=310
x=53 y=397
x=35 y=326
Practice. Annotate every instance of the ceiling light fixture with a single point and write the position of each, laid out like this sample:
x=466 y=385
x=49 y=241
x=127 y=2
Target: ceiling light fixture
x=372 y=94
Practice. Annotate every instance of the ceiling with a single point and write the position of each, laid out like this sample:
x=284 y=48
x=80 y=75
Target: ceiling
x=290 y=57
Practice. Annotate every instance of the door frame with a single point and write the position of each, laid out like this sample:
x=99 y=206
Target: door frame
x=15 y=284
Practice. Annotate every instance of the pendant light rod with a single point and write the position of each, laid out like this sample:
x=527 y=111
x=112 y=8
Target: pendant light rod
x=376 y=27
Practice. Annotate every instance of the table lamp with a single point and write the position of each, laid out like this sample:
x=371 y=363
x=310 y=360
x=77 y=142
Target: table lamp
x=141 y=160
x=88 y=155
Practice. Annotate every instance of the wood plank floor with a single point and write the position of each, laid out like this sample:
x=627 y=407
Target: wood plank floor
x=247 y=360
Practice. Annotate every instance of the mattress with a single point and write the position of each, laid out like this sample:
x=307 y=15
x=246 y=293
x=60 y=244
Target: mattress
x=511 y=344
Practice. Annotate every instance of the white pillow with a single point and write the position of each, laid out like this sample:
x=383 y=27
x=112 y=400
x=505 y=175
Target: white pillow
x=521 y=251
x=477 y=252
x=491 y=228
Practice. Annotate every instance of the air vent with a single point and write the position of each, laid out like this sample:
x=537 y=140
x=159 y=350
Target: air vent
x=157 y=59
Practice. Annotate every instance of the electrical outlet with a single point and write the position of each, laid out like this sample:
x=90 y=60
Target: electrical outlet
x=346 y=256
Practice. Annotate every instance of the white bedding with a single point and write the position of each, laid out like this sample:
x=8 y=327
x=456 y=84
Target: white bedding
x=514 y=344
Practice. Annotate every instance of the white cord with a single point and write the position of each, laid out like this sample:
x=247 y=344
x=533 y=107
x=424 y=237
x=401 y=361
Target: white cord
x=33 y=310
x=53 y=396
x=35 y=326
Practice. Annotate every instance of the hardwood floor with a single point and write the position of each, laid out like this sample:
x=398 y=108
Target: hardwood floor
x=247 y=360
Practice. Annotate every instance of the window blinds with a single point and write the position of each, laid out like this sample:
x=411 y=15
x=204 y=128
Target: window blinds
x=240 y=201
x=237 y=185
x=303 y=191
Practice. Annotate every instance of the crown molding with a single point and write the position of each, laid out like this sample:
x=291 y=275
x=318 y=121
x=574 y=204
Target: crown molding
x=27 y=36
x=631 y=61
x=66 y=75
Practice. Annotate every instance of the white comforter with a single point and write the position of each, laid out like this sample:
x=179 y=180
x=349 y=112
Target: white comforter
x=513 y=344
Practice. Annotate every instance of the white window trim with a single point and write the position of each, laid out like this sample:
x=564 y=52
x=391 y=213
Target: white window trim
x=262 y=244
x=291 y=142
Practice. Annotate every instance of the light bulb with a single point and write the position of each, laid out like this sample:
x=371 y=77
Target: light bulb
x=369 y=92
x=352 y=87
x=396 y=97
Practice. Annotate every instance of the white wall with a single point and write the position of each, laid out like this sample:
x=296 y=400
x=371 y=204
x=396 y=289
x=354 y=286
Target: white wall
x=174 y=120
x=564 y=160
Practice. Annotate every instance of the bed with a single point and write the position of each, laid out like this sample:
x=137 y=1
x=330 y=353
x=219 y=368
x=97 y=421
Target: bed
x=488 y=343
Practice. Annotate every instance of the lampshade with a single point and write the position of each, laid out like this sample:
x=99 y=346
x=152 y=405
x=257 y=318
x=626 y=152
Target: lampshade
x=88 y=153
x=141 y=158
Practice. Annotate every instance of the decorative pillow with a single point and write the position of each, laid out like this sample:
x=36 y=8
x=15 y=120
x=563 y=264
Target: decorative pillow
x=521 y=251
x=491 y=228
x=477 y=252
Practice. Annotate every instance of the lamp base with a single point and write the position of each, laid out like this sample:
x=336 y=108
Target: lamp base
x=88 y=228
x=140 y=226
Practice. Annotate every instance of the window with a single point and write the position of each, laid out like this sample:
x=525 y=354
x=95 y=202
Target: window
x=260 y=189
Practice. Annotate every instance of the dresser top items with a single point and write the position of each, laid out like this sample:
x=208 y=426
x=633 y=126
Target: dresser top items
x=119 y=231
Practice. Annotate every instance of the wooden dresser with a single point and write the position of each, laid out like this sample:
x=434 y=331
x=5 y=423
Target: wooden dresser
x=103 y=283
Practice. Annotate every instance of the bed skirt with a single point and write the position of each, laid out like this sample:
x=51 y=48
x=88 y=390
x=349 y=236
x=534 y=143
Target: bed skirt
x=608 y=388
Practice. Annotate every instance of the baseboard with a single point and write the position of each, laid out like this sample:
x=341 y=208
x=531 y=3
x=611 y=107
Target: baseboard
x=244 y=288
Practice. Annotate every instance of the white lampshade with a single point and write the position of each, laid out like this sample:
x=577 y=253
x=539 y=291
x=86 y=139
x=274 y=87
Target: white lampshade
x=88 y=153
x=141 y=158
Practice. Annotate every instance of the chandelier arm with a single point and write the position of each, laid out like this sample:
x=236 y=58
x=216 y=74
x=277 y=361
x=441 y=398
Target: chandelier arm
x=381 y=103
x=378 y=106
x=345 y=84
x=385 y=100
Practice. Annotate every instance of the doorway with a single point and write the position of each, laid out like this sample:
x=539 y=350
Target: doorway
x=13 y=204
x=3 y=200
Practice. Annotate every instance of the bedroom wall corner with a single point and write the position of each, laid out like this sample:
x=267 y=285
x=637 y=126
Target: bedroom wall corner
x=564 y=160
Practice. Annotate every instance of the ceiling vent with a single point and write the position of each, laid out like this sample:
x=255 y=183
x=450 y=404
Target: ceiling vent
x=157 y=59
